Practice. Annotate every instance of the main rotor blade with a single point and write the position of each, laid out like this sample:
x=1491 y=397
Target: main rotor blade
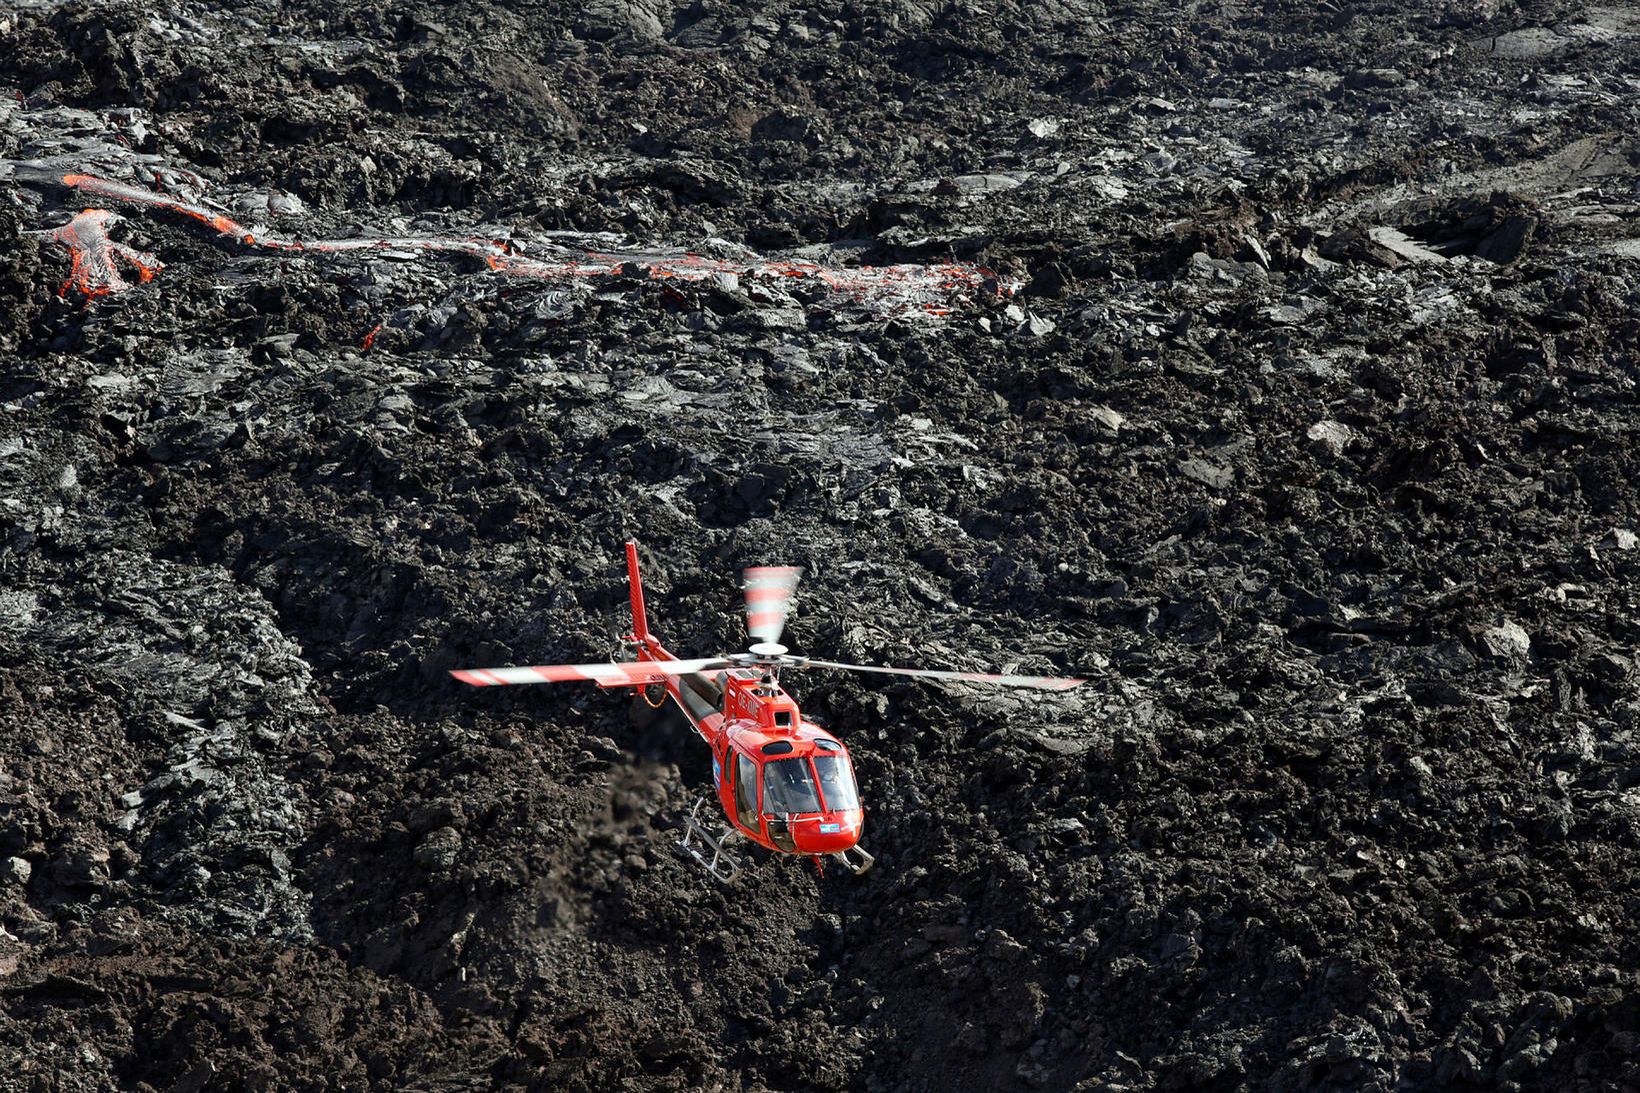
x=609 y=675
x=1041 y=683
x=769 y=591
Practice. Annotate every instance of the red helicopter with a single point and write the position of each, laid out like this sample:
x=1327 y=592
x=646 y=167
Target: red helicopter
x=783 y=782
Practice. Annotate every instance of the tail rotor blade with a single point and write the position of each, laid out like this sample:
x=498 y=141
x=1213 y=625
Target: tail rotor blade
x=769 y=591
x=606 y=675
x=1040 y=683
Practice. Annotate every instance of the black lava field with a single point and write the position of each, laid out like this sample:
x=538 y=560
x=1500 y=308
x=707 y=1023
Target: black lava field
x=1275 y=367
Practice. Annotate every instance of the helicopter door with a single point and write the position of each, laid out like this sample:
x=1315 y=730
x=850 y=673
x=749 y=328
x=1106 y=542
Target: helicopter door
x=745 y=792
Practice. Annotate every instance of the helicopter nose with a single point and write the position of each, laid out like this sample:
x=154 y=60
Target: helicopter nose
x=829 y=833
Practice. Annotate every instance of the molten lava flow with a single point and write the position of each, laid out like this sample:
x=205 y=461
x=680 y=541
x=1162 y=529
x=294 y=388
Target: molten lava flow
x=95 y=271
x=118 y=191
x=886 y=288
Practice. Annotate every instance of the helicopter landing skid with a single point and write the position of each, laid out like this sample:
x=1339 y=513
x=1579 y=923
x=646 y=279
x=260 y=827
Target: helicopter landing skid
x=856 y=858
x=720 y=864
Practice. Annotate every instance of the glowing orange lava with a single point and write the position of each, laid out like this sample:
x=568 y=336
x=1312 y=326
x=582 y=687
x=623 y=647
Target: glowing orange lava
x=118 y=191
x=927 y=288
x=95 y=271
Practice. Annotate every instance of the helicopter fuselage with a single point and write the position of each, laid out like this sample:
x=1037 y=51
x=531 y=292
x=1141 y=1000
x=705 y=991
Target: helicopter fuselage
x=783 y=782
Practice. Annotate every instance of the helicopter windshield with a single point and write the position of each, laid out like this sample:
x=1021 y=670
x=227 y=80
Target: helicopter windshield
x=837 y=783
x=789 y=787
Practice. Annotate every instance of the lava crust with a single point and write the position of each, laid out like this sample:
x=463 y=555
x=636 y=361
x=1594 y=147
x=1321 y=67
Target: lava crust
x=1271 y=366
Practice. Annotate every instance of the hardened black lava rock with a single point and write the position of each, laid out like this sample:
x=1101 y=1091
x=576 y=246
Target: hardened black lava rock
x=1296 y=411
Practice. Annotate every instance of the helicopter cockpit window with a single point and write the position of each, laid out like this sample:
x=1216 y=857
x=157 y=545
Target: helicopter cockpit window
x=837 y=783
x=825 y=745
x=789 y=787
x=745 y=790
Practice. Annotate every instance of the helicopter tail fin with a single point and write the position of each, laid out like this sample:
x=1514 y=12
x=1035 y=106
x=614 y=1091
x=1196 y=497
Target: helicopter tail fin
x=640 y=621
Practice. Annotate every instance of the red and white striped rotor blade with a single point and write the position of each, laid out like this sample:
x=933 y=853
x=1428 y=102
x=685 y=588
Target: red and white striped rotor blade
x=609 y=675
x=1041 y=683
x=769 y=590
